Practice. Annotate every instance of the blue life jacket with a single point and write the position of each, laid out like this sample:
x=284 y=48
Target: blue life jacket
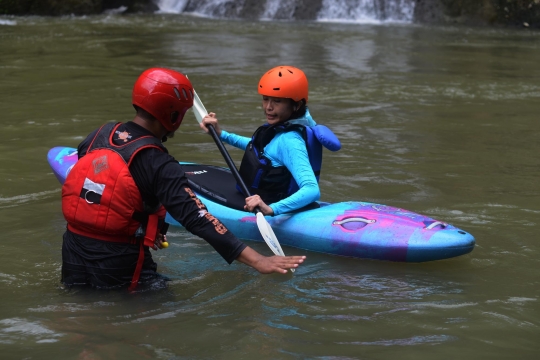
x=273 y=184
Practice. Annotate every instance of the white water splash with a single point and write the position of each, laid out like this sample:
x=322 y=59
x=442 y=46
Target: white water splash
x=172 y=6
x=116 y=11
x=217 y=8
x=18 y=330
x=8 y=22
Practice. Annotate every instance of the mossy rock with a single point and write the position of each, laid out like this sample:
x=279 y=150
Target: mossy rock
x=479 y=12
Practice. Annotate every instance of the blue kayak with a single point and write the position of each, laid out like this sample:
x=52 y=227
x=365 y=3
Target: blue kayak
x=353 y=228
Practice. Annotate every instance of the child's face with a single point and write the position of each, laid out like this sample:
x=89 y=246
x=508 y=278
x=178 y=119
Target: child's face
x=277 y=109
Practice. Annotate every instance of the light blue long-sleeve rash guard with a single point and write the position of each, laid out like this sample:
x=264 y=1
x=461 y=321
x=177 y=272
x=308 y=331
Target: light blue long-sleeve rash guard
x=287 y=149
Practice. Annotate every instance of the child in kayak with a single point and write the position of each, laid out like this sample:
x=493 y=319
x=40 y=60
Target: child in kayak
x=282 y=160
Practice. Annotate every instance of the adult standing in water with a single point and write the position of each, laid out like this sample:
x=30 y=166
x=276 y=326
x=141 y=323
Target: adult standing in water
x=283 y=158
x=116 y=196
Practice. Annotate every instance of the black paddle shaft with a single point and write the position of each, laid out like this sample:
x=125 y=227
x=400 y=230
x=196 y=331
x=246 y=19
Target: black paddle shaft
x=229 y=161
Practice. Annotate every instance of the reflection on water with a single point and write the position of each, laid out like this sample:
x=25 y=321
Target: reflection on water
x=440 y=121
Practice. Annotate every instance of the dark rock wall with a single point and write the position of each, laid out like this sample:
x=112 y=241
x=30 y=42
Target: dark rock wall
x=75 y=7
x=524 y=13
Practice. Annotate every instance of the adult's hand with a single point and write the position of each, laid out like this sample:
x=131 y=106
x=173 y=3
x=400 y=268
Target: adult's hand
x=255 y=201
x=269 y=264
x=161 y=242
x=210 y=119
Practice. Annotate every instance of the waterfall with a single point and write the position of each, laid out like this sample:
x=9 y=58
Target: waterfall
x=278 y=9
x=367 y=11
x=358 y=11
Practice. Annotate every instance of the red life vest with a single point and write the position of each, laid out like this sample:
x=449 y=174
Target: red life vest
x=100 y=199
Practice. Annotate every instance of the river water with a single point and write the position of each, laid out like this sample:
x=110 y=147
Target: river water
x=442 y=121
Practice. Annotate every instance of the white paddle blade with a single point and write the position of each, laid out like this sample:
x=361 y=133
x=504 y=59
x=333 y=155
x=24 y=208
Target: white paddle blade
x=198 y=108
x=269 y=236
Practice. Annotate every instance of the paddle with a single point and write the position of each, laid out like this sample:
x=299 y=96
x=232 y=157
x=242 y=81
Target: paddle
x=263 y=225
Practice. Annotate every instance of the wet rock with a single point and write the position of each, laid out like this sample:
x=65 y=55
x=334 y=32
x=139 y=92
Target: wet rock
x=72 y=7
x=132 y=6
x=480 y=12
x=66 y=7
x=50 y=7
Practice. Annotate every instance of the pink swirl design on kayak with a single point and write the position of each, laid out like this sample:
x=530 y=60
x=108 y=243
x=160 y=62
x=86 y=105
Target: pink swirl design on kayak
x=392 y=227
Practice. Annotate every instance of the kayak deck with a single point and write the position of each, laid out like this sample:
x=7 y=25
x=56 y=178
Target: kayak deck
x=354 y=229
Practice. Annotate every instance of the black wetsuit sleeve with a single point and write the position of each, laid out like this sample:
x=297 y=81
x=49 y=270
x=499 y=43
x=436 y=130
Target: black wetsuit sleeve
x=159 y=175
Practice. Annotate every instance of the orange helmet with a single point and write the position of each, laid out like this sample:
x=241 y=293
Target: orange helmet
x=165 y=94
x=285 y=82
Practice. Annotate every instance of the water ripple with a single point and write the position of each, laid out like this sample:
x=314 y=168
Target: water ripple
x=17 y=330
x=415 y=340
x=26 y=198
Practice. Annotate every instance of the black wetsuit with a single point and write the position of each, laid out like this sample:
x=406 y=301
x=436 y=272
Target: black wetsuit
x=160 y=178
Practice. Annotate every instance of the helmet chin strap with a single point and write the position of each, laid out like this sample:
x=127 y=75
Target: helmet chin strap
x=171 y=134
x=168 y=135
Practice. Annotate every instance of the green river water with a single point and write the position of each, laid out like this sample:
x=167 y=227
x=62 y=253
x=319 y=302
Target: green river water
x=442 y=121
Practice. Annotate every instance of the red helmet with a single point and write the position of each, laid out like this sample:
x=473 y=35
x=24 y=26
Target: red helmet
x=285 y=82
x=165 y=94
